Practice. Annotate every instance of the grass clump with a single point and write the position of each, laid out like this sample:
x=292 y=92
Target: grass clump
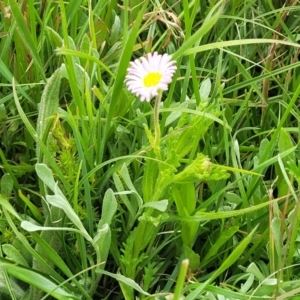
x=192 y=195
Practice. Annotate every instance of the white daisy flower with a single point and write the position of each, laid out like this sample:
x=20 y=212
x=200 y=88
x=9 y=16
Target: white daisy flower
x=147 y=76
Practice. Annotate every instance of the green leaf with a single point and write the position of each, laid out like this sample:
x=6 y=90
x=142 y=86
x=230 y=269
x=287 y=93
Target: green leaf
x=224 y=44
x=102 y=243
x=25 y=34
x=121 y=73
x=55 y=39
x=205 y=89
x=123 y=195
x=175 y=115
x=62 y=203
x=5 y=204
x=109 y=208
x=230 y=260
x=188 y=196
x=125 y=280
x=35 y=211
x=33 y=227
x=194 y=258
x=285 y=143
x=3 y=112
x=222 y=239
x=208 y=23
x=7 y=185
x=45 y=174
x=253 y=269
x=39 y=281
x=149 y=179
x=48 y=106
x=51 y=254
x=12 y=253
x=159 y=205
x=276 y=230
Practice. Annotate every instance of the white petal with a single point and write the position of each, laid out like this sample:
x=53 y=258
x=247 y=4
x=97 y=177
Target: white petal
x=151 y=63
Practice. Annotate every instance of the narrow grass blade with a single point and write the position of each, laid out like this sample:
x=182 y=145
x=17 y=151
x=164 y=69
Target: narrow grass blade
x=26 y=35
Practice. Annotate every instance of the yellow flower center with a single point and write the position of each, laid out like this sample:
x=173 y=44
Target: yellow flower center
x=152 y=79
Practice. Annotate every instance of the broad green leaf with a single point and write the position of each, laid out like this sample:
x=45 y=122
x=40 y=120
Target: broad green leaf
x=285 y=143
x=101 y=244
x=173 y=116
x=276 y=231
x=253 y=269
x=204 y=216
x=45 y=174
x=60 y=202
x=188 y=196
x=48 y=107
x=245 y=287
x=13 y=254
x=109 y=208
x=32 y=132
x=205 y=89
x=159 y=205
x=7 y=185
x=263 y=147
x=55 y=39
x=8 y=286
x=123 y=195
x=194 y=258
x=3 y=112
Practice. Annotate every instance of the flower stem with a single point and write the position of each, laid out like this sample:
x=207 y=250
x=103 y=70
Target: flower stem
x=157 y=125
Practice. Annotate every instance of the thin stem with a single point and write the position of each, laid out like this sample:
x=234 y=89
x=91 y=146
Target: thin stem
x=157 y=125
x=181 y=279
